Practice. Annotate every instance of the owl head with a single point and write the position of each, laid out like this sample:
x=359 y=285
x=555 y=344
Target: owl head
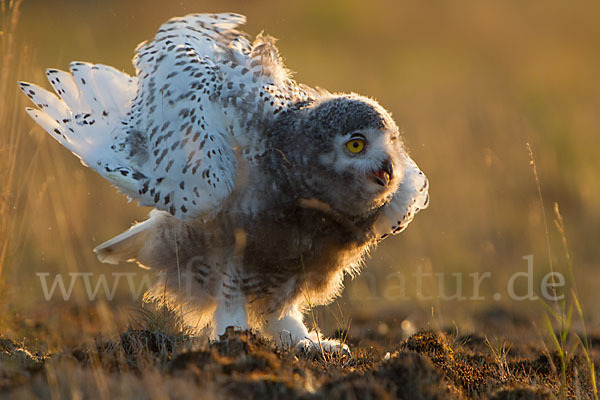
x=351 y=153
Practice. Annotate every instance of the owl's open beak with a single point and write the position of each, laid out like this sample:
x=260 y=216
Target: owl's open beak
x=384 y=175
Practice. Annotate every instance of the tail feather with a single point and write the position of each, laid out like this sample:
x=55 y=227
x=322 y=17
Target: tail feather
x=127 y=245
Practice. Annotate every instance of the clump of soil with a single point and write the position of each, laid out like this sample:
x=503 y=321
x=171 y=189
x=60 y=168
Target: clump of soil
x=523 y=393
x=17 y=364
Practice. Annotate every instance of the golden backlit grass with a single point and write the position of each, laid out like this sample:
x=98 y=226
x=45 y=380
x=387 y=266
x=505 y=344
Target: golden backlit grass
x=12 y=166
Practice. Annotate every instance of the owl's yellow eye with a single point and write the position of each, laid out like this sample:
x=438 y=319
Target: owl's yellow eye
x=355 y=145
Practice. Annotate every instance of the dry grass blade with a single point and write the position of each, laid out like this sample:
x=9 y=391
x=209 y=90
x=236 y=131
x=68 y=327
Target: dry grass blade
x=562 y=314
x=583 y=338
x=10 y=116
x=14 y=61
x=558 y=342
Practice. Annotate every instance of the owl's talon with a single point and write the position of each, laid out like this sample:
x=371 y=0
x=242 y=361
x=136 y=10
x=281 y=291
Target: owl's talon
x=313 y=347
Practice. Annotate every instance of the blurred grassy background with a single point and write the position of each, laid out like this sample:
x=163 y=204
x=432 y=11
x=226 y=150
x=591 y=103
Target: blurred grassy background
x=469 y=82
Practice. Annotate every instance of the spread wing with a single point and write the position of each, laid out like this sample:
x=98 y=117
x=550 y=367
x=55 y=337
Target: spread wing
x=412 y=195
x=169 y=137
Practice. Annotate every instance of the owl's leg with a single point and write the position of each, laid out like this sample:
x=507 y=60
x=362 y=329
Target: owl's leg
x=289 y=331
x=231 y=304
x=231 y=311
x=230 y=297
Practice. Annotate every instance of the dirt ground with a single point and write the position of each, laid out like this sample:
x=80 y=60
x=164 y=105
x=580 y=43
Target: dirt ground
x=154 y=359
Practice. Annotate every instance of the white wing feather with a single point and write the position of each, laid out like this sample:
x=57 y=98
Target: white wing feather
x=412 y=195
x=168 y=136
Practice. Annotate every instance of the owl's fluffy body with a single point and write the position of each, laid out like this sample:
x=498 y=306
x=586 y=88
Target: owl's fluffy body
x=261 y=207
x=292 y=238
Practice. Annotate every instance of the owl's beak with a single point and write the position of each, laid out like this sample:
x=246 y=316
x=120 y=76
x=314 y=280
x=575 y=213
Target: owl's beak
x=384 y=175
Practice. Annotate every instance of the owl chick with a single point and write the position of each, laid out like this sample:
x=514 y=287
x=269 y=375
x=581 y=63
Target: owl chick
x=265 y=192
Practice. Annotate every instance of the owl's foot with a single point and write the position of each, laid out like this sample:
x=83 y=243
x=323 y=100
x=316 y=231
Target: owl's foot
x=316 y=347
x=230 y=314
x=289 y=332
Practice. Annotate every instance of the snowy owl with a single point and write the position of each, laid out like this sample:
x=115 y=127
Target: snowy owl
x=265 y=192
